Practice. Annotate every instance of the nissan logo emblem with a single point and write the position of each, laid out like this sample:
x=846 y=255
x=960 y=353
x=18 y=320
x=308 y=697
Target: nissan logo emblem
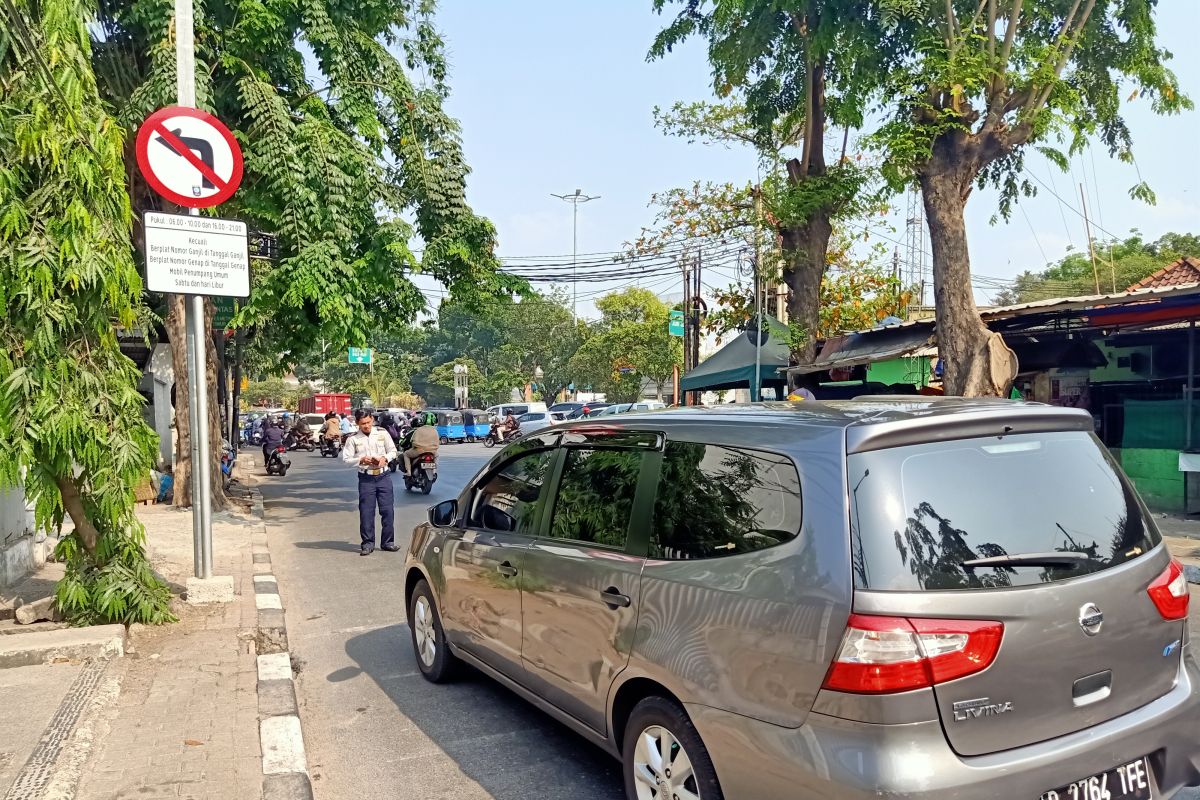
x=1090 y=618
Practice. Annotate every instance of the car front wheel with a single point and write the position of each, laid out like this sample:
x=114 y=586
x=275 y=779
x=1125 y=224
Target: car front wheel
x=434 y=659
x=663 y=757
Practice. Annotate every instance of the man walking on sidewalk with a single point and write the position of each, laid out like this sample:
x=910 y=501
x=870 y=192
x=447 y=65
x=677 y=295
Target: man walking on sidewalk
x=370 y=451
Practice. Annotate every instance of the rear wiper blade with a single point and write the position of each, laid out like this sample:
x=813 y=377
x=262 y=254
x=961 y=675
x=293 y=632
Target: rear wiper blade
x=1030 y=560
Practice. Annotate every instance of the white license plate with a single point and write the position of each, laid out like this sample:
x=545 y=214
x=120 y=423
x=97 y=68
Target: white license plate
x=429 y=467
x=1130 y=781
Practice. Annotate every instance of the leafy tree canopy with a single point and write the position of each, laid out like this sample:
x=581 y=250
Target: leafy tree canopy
x=628 y=344
x=1120 y=263
x=70 y=415
x=345 y=164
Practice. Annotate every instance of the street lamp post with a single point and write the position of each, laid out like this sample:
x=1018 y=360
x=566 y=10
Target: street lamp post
x=575 y=200
x=461 y=396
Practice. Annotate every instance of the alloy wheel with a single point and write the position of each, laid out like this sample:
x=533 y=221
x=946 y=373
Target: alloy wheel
x=424 y=631
x=662 y=769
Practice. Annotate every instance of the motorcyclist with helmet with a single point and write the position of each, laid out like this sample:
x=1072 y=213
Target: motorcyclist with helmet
x=421 y=438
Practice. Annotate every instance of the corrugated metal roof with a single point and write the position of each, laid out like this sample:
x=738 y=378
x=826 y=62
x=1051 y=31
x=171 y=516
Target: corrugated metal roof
x=1064 y=304
x=914 y=336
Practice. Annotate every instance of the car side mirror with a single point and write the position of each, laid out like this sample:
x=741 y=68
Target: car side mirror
x=444 y=513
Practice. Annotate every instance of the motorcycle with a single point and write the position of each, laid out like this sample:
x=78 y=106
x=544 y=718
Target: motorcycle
x=301 y=441
x=493 y=437
x=228 y=457
x=331 y=447
x=424 y=473
x=276 y=463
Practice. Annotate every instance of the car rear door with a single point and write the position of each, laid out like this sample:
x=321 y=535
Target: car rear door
x=581 y=585
x=484 y=559
x=1082 y=642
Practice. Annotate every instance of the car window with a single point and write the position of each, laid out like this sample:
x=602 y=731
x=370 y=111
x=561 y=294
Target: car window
x=719 y=501
x=595 y=496
x=921 y=513
x=507 y=501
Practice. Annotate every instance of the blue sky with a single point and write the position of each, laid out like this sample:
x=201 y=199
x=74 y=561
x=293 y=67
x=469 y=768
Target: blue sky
x=555 y=95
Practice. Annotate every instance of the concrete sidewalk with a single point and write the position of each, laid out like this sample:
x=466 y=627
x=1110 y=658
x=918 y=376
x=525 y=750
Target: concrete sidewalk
x=186 y=722
x=176 y=717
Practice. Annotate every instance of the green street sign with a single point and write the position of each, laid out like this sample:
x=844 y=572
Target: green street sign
x=360 y=355
x=224 y=314
x=675 y=325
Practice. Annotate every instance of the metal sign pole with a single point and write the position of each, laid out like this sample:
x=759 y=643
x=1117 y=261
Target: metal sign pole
x=197 y=349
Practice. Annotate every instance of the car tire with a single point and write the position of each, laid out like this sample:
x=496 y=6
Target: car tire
x=653 y=720
x=434 y=659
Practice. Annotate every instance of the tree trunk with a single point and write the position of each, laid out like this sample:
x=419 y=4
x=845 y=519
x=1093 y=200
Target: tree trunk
x=176 y=325
x=977 y=362
x=804 y=252
x=218 y=500
x=72 y=501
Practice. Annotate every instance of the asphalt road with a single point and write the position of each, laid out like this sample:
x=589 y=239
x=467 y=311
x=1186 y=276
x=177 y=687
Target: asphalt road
x=373 y=726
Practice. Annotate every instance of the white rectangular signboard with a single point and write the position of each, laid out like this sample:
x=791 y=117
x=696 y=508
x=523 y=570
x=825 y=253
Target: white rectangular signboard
x=196 y=255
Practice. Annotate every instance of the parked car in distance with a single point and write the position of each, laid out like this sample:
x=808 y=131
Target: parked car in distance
x=577 y=410
x=536 y=420
x=608 y=411
x=501 y=411
x=568 y=408
x=918 y=599
x=648 y=405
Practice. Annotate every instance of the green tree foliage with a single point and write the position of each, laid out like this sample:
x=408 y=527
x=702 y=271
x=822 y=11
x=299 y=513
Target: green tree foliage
x=800 y=69
x=972 y=86
x=273 y=393
x=333 y=168
x=628 y=344
x=70 y=415
x=1120 y=263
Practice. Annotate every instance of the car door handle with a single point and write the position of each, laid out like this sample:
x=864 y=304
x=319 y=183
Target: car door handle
x=613 y=598
x=507 y=570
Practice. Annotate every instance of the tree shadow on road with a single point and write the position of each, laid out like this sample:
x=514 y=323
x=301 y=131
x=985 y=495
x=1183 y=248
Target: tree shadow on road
x=512 y=750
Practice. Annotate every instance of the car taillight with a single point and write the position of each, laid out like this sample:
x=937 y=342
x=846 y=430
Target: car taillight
x=1169 y=592
x=880 y=655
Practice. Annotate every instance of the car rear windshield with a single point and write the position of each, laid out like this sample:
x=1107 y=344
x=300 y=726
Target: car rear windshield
x=920 y=514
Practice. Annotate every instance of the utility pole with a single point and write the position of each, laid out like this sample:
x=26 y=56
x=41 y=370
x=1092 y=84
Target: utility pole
x=197 y=355
x=687 y=314
x=575 y=200
x=696 y=308
x=1087 y=226
x=756 y=394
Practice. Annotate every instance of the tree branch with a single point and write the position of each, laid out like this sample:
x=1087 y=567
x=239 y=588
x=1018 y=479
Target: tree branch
x=1070 y=33
x=806 y=153
x=1010 y=34
x=951 y=28
x=991 y=35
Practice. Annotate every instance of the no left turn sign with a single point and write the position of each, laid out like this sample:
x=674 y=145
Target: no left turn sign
x=189 y=157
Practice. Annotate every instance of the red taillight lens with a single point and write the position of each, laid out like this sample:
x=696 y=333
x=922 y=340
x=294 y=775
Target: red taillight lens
x=1169 y=592
x=880 y=655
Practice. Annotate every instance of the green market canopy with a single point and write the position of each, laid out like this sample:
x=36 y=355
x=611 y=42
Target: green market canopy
x=732 y=367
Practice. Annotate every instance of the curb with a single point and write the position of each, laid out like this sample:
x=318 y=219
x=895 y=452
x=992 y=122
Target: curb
x=281 y=738
x=99 y=643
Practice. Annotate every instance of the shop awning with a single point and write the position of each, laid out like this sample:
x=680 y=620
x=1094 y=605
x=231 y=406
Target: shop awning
x=732 y=367
x=866 y=347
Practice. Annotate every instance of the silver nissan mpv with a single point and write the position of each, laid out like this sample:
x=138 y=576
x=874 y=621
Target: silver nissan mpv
x=943 y=599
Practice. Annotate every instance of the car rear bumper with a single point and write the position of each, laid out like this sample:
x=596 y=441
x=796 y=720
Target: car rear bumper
x=832 y=757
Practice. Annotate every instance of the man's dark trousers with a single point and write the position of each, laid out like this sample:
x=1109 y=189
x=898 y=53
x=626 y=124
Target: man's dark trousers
x=375 y=490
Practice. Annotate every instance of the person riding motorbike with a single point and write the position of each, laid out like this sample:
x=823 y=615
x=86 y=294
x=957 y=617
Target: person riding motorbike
x=301 y=431
x=272 y=437
x=422 y=437
x=509 y=426
x=388 y=423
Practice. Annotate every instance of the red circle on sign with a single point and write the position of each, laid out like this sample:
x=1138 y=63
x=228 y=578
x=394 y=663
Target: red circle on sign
x=155 y=124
